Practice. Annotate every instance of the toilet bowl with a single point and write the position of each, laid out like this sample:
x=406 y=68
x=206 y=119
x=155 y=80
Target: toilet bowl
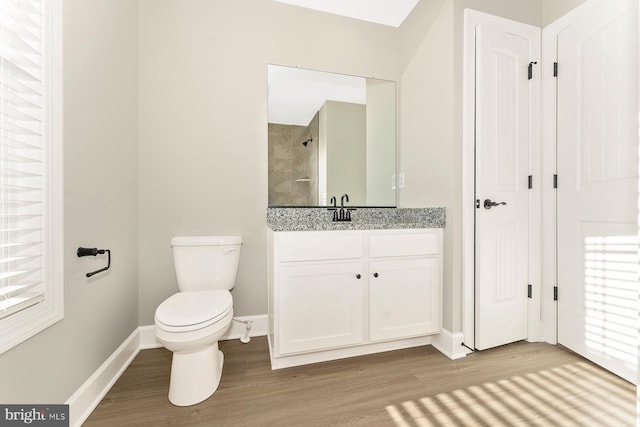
x=190 y=322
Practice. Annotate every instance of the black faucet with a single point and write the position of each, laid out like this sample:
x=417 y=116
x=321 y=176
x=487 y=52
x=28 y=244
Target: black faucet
x=342 y=214
x=334 y=208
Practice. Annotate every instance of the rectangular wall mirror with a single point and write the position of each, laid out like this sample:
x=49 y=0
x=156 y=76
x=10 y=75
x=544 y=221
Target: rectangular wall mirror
x=330 y=134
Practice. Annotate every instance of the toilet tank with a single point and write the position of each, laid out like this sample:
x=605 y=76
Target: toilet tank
x=206 y=262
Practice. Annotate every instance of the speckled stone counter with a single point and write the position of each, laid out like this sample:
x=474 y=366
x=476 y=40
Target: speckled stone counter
x=318 y=219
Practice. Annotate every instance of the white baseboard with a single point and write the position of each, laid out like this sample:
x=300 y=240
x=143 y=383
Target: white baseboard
x=89 y=395
x=342 y=353
x=450 y=344
x=259 y=328
x=148 y=337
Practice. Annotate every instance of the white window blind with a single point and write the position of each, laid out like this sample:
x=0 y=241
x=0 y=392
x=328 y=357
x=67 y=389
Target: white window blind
x=25 y=190
x=21 y=156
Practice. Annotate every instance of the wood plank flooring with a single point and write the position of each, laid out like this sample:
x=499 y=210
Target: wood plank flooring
x=522 y=384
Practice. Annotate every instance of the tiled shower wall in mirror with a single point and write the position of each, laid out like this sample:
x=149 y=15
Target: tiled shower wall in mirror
x=293 y=166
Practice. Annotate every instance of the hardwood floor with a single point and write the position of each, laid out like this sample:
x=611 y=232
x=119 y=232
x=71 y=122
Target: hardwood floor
x=522 y=384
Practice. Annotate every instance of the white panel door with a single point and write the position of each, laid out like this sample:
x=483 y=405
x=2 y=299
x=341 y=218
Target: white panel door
x=503 y=102
x=597 y=185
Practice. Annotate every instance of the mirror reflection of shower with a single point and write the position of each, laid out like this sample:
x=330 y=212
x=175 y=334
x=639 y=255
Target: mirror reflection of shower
x=330 y=134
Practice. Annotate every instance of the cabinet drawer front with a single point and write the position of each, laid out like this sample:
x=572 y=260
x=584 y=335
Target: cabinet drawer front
x=319 y=246
x=393 y=245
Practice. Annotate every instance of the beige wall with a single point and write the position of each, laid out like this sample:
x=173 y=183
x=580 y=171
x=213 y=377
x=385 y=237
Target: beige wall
x=346 y=138
x=426 y=148
x=381 y=142
x=203 y=122
x=554 y=9
x=100 y=207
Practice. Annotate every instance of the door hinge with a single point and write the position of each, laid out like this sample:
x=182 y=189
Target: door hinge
x=530 y=182
x=555 y=69
x=529 y=290
x=555 y=293
x=530 y=69
x=555 y=180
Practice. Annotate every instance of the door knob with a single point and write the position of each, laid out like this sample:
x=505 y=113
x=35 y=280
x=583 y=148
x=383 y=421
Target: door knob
x=488 y=204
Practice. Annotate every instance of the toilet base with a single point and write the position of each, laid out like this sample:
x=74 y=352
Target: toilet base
x=195 y=376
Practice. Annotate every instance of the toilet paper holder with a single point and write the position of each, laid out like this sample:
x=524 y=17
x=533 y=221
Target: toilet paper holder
x=93 y=252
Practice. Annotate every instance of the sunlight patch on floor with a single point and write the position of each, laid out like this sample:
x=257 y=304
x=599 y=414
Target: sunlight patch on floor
x=569 y=395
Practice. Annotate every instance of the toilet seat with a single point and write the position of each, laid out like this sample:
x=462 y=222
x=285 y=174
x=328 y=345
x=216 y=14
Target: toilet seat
x=188 y=311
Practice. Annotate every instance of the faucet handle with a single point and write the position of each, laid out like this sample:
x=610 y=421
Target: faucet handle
x=344 y=196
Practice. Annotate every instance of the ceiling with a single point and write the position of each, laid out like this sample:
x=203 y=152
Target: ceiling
x=386 y=12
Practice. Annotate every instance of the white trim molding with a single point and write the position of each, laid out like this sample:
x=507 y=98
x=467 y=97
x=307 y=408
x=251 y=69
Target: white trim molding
x=549 y=161
x=450 y=344
x=88 y=396
x=148 y=338
x=344 y=352
x=468 y=176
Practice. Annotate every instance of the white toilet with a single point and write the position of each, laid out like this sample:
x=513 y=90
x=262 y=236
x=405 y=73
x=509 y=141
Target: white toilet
x=191 y=322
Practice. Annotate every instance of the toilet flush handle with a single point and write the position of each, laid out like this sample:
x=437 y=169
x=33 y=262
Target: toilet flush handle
x=229 y=250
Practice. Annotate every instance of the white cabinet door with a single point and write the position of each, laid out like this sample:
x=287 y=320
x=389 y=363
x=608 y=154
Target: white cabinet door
x=404 y=298
x=319 y=306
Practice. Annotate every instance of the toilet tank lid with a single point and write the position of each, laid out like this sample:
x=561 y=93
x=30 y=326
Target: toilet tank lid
x=206 y=240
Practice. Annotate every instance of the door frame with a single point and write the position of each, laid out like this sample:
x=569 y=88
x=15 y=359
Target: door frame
x=549 y=306
x=472 y=18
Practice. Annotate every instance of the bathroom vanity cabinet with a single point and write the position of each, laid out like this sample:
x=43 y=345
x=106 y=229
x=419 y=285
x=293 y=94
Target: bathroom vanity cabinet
x=335 y=294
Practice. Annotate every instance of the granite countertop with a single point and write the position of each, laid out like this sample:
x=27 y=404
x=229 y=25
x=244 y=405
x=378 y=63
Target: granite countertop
x=320 y=218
